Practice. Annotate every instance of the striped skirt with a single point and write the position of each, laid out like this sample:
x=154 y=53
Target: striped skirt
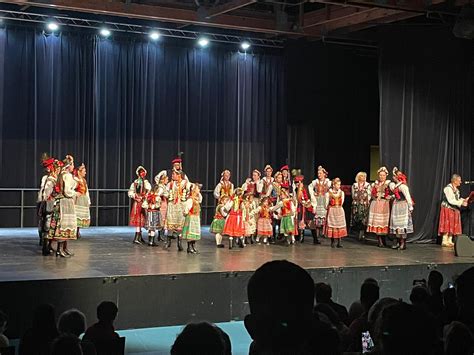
x=63 y=223
x=192 y=227
x=175 y=217
x=250 y=226
x=336 y=223
x=287 y=226
x=264 y=227
x=400 y=220
x=217 y=225
x=153 y=220
x=379 y=216
x=83 y=214
x=449 y=221
x=137 y=215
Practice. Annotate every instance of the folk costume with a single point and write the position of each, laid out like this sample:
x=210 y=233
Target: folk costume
x=83 y=200
x=152 y=206
x=379 y=210
x=400 y=220
x=287 y=209
x=63 y=219
x=264 y=223
x=266 y=182
x=138 y=190
x=450 y=215
x=336 y=220
x=192 y=221
x=162 y=194
x=275 y=191
x=178 y=191
x=217 y=225
x=234 y=226
x=250 y=222
x=224 y=187
x=45 y=202
x=303 y=206
x=286 y=180
x=360 y=205
x=317 y=192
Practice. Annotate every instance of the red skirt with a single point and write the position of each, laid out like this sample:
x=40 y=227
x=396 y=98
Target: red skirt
x=449 y=222
x=264 y=226
x=234 y=225
x=137 y=215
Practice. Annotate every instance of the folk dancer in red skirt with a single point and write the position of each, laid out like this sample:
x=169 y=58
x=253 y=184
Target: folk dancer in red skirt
x=379 y=210
x=360 y=204
x=152 y=204
x=177 y=195
x=401 y=222
x=317 y=192
x=217 y=225
x=336 y=219
x=287 y=209
x=450 y=215
x=225 y=187
x=138 y=190
x=63 y=219
x=264 y=222
x=234 y=224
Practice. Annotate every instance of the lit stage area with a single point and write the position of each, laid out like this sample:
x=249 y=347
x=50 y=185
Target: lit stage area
x=154 y=287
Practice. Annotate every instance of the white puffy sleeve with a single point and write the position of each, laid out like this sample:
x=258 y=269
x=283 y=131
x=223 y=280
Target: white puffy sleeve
x=326 y=200
x=343 y=196
x=448 y=191
x=188 y=204
x=278 y=206
x=69 y=186
x=147 y=186
x=217 y=191
x=311 y=190
x=406 y=192
x=259 y=186
x=131 y=190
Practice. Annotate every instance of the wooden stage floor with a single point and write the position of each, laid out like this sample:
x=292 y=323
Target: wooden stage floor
x=108 y=251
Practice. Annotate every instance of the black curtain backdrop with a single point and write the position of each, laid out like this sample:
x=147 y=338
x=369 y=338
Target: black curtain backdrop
x=425 y=115
x=115 y=104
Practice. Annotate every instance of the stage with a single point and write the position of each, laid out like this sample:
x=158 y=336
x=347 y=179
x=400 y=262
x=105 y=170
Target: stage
x=155 y=287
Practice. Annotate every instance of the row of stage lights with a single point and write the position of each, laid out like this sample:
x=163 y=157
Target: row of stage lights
x=153 y=35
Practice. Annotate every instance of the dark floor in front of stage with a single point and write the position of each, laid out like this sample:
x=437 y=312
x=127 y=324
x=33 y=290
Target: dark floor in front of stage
x=108 y=251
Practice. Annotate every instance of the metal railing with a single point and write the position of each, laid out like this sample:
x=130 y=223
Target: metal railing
x=96 y=206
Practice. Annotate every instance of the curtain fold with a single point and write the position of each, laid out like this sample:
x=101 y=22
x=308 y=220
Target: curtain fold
x=425 y=84
x=116 y=104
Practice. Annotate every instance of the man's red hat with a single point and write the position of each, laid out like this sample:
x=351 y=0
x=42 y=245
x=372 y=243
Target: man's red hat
x=284 y=167
x=177 y=160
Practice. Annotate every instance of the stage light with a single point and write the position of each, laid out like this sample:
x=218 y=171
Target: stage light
x=105 y=32
x=154 y=35
x=245 y=45
x=203 y=41
x=52 y=26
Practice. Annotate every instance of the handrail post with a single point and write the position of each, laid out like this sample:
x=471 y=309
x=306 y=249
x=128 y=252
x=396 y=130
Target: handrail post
x=97 y=208
x=22 y=202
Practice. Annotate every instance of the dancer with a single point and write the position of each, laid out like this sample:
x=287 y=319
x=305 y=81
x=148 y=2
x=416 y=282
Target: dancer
x=46 y=197
x=83 y=200
x=177 y=188
x=264 y=224
x=360 y=204
x=400 y=220
x=250 y=222
x=450 y=215
x=317 y=192
x=303 y=203
x=63 y=219
x=336 y=220
x=267 y=181
x=234 y=224
x=217 y=225
x=379 y=210
x=274 y=198
x=285 y=172
x=224 y=187
x=253 y=185
x=162 y=181
x=192 y=221
x=177 y=164
x=151 y=205
x=138 y=191
x=288 y=209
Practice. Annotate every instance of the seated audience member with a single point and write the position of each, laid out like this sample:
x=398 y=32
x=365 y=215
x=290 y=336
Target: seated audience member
x=73 y=322
x=281 y=319
x=419 y=297
x=451 y=309
x=66 y=344
x=435 y=302
x=328 y=314
x=405 y=329
x=3 y=326
x=458 y=340
x=374 y=318
x=104 y=329
x=201 y=338
x=465 y=298
x=37 y=339
x=369 y=294
x=323 y=293
x=356 y=309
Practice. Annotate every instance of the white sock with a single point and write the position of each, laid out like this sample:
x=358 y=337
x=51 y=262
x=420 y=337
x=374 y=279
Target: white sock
x=257 y=239
x=152 y=233
x=218 y=238
x=265 y=240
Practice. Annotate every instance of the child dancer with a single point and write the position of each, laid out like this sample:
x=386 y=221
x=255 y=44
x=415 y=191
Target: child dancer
x=234 y=224
x=250 y=222
x=264 y=224
x=153 y=216
x=137 y=191
x=192 y=221
x=336 y=219
x=288 y=209
x=162 y=181
x=217 y=225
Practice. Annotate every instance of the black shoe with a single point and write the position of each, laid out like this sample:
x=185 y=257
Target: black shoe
x=332 y=243
x=302 y=238
x=231 y=243
x=241 y=243
x=60 y=252
x=136 y=239
x=220 y=246
x=193 y=243
x=150 y=240
x=159 y=238
x=380 y=243
x=140 y=238
x=339 y=245
x=180 y=247
x=168 y=243
x=189 y=250
x=46 y=251
x=66 y=250
x=396 y=245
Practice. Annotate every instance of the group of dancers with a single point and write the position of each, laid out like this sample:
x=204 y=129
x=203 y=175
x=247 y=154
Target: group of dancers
x=274 y=208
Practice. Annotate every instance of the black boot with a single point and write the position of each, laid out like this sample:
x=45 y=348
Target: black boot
x=150 y=240
x=155 y=240
x=60 y=252
x=193 y=247
x=339 y=244
x=302 y=236
x=160 y=238
x=380 y=242
x=180 y=247
x=78 y=234
x=136 y=239
x=66 y=250
x=332 y=242
x=45 y=245
x=231 y=243
x=140 y=238
x=396 y=243
x=241 y=242
x=315 y=237
x=189 y=250
x=168 y=242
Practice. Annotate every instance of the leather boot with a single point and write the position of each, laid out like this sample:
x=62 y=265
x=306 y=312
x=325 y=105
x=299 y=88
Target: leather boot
x=60 y=252
x=380 y=242
x=180 y=247
x=231 y=243
x=140 y=238
x=302 y=236
x=189 y=250
x=315 y=237
x=136 y=239
x=193 y=247
x=241 y=242
x=45 y=245
x=339 y=244
x=150 y=240
x=160 y=238
x=332 y=243
x=168 y=242
x=396 y=244
x=66 y=250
